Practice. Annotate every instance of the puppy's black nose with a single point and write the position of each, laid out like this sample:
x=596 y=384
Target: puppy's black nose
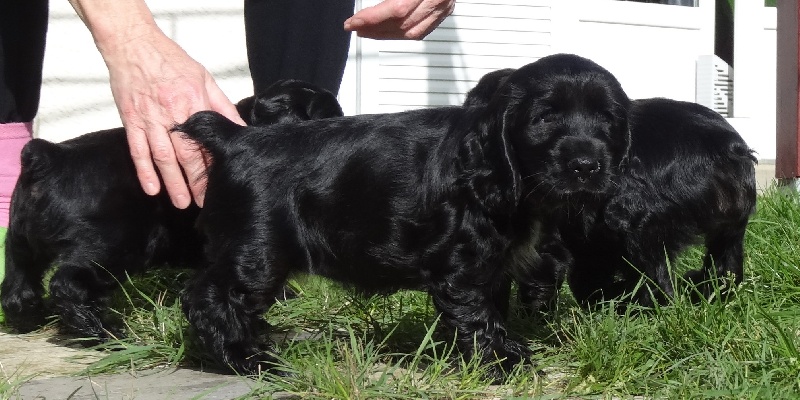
x=583 y=168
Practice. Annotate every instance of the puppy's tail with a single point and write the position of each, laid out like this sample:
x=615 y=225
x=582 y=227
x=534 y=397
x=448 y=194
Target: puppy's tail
x=743 y=152
x=209 y=129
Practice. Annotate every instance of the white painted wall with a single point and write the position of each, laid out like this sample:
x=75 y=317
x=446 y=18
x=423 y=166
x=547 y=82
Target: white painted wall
x=755 y=76
x=481 y=36
x=76 y=97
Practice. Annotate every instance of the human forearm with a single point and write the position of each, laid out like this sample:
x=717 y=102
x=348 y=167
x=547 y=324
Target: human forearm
x=115 y=23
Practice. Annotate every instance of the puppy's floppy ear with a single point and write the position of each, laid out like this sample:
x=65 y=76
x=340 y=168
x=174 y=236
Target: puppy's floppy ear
x=624 y=163
x=245 y=109
x=323 y=105
x=292 y=105
x=488 y=160
x=622 y=122
x=487 y=86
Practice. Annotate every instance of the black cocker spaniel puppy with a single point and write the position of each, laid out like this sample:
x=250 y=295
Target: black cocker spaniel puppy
x=691 y=179
x=446 y=200
x=78 y=206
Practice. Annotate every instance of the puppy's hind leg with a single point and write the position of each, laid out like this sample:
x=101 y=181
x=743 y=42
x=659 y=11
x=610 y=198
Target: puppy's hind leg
x=653 y=257
x=22 y=289
x=225 y=304
x=79 y=293
x=723 y=262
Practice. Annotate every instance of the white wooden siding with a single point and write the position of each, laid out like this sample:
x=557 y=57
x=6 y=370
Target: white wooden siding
x=651 y=48
x=480 y=36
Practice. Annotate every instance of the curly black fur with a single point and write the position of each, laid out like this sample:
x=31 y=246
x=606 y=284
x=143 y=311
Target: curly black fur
x=446 y=200
x=78 y=206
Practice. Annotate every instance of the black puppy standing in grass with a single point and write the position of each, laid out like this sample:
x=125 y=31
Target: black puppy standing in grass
x=444 y=200
x=691 y=179
x=78 y=205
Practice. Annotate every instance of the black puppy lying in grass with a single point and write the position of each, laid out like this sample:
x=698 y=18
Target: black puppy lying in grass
x=446 y=200
x=691 y=178
x=78 y=206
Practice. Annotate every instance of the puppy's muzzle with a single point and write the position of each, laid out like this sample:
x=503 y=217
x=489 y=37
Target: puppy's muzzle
x=584 y=164
x=583 y=168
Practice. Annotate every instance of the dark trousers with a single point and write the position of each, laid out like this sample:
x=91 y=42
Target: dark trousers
x=23 y=27
x=286 y=39
x=297 y=39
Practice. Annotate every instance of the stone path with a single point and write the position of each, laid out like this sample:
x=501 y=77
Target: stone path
x=155 y=385
x=50 y=365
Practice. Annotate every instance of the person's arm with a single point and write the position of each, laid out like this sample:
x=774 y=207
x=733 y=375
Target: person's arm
x=400 y=19
x=155 y=84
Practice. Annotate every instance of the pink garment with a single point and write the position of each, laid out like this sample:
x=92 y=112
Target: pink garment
x=13 y=137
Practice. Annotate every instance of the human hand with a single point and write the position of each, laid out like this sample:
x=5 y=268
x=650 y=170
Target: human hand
x=400 y=19
x=156 y=84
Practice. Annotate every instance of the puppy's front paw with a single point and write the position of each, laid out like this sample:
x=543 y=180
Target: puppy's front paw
x=706 y=287
x=695 y=277
x=536 y=302
x=24 y=319
x=253 y=360
x=505 y=358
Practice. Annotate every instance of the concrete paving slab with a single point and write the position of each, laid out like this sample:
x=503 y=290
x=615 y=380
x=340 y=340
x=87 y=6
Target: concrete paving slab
x=142 y=385
x=765 y=174
x=51 y=367
x=41 y=355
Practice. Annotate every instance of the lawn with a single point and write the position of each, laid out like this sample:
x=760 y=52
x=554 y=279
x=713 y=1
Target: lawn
x=338 y=345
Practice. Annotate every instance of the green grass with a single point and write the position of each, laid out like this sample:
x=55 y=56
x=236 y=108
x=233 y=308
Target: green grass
x=339 y=345
x=10 y=382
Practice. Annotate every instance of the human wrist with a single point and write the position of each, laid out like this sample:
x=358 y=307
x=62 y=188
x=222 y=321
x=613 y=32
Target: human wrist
x=116 y=24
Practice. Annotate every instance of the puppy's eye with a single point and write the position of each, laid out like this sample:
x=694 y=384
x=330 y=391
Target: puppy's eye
x=234 y=292
x=544 y=118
